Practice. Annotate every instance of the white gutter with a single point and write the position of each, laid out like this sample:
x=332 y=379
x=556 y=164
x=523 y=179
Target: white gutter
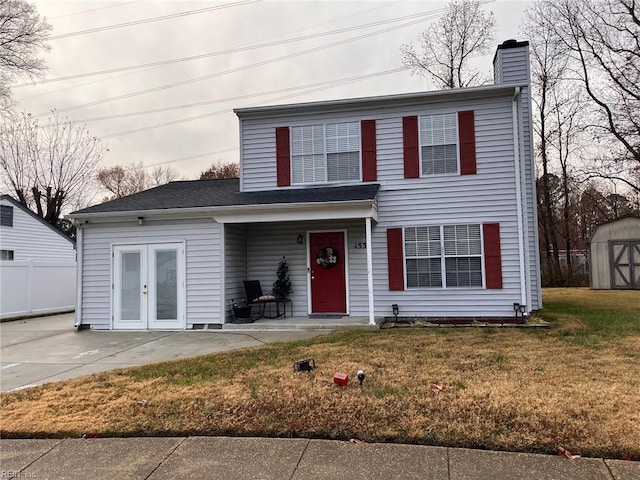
x=521 y=232
x=372 y=316
x=79 y=269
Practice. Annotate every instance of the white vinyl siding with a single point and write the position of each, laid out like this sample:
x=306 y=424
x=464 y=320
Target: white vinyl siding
x=203 y=259
x=439 y=143
x=325 y=153
x=443 y=256
x=487 y=197
x=31 y=239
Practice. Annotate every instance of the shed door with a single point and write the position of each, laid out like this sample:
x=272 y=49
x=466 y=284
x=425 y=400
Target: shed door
x=625 y=264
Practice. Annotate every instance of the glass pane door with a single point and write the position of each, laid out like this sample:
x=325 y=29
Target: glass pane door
x=129 y=286
x=166 y=278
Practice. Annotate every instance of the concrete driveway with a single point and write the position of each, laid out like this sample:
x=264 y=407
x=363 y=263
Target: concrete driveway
x=49 y=349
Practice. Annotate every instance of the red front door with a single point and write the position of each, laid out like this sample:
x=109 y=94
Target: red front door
x=328 y=284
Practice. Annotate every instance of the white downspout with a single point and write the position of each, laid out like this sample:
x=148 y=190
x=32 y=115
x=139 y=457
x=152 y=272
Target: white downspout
x=372 y=316
x=79 y=269
x=521 y=232
x=525 y=214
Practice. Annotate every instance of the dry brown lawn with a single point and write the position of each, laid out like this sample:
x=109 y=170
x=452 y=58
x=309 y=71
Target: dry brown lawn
x=575 y=385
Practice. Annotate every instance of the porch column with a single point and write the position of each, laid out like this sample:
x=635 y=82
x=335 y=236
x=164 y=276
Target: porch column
x=372 y=318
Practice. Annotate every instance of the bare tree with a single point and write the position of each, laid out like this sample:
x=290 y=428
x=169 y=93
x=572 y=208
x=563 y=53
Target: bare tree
x=48 y=168
x=123 y=180
x=464 y=31
x=221 y=170
x=603 y=40
x=548 y=65
x=23 y=34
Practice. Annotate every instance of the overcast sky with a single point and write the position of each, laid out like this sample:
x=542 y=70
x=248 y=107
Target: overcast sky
x=292 y=68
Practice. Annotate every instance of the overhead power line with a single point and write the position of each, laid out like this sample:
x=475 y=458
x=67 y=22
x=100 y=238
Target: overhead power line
x=93 y=10
x=234 y=70
x=228 y=110
x=422 y=15
x=340 y=81
x=154 y=19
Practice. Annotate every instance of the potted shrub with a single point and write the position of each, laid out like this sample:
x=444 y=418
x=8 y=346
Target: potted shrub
x=282 y=285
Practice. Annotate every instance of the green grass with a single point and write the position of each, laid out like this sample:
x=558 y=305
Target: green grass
x=528 y=390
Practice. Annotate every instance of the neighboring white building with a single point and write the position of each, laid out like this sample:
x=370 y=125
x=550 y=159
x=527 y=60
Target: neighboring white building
x=38 y=263
x=424 y=200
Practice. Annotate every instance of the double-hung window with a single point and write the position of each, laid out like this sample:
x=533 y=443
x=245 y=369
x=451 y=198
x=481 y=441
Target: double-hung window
x=443 y=256
x=463 y=255
x=325 y=153
x=439 y=143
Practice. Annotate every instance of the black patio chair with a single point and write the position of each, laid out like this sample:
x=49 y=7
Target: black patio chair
x=255 y=296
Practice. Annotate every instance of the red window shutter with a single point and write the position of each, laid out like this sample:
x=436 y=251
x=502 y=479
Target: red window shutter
x=467 y=139
x=395 y=257
x=492 y=258
x=368 y=139
x=283 y=162
x=410 y=146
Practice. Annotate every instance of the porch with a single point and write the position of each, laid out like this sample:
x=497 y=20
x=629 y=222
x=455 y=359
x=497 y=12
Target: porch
x=329 y=323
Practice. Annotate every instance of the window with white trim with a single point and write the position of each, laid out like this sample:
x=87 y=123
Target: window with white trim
x=6 y=254
x=439 y=143
x=325 y=153
x=444 y=256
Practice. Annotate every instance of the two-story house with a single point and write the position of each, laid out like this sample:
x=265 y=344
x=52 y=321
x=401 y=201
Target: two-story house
x=423 y=200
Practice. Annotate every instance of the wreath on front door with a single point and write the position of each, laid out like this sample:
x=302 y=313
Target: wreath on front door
x=327 y=257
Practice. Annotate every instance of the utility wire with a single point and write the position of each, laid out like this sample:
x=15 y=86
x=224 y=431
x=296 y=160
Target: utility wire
x=423 y=15
x=229 y=110
x=240 y=97
x=92 y=10
x=234 y=70
x=154 y=19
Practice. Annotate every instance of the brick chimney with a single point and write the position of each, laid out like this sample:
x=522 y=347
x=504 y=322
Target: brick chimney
x=511 y=63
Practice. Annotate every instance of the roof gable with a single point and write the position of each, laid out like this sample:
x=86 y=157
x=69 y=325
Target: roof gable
x=17 y=204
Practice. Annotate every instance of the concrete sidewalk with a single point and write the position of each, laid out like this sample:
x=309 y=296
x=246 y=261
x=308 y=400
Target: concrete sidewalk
x=49 y=349
x=286 y=459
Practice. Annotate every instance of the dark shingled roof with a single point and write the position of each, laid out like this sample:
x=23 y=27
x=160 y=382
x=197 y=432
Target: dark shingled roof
x=219 y=193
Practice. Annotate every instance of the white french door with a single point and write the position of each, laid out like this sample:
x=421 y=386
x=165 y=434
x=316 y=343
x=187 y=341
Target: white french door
x=149 y=286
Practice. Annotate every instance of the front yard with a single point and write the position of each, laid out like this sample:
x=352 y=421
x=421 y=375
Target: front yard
x=575 y=385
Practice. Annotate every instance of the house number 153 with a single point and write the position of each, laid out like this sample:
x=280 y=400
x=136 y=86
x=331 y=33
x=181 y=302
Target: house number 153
x=360 y=245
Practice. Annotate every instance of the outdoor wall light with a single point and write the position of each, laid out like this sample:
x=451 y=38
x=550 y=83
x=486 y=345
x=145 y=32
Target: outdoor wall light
x=140 y=219
x=300 y=239
x=395 y=310
x=519 y=309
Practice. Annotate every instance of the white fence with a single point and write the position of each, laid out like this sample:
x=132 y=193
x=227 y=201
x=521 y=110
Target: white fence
x=36 y=287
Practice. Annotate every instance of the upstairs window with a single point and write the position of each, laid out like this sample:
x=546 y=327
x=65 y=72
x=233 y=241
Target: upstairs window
x=6 y=216
x=325 y=153
x=439 y=144
x=6 y=255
